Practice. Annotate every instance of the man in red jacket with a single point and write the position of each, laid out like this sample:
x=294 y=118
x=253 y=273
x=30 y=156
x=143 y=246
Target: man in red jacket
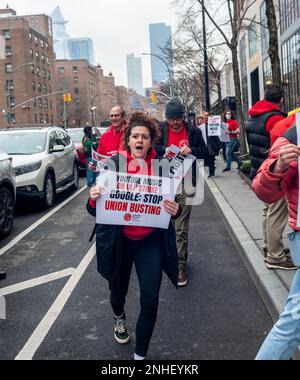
x=263 y=117
x=110 y=142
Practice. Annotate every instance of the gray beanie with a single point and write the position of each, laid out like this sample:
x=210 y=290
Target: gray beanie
x=174 y=109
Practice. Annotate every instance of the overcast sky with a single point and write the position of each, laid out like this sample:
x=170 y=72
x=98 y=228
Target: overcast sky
x=117 y=27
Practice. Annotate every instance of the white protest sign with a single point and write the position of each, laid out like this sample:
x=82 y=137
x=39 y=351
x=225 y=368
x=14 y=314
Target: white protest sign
x=224 y=137
x=179 y=165
x=214 y=126
x=134 y=200
x=99 y=159
x=298 y=138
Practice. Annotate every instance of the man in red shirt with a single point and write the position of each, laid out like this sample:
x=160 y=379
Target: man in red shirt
x=110 y=142
x=233 y=131
x=175 y=131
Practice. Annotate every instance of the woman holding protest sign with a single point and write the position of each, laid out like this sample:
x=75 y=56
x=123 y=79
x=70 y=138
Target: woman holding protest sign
x=152 y=250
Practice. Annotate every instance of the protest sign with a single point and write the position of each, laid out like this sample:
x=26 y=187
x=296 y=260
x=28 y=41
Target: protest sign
x=134 y=200
x=214 y=126
x=224 y=137
x=99 y=160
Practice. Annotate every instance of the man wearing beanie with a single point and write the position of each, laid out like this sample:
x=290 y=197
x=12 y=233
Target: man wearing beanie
x=175 y=131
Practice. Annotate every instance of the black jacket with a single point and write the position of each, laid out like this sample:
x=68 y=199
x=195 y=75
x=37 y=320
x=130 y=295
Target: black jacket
x=196 y=143
x=110 y=254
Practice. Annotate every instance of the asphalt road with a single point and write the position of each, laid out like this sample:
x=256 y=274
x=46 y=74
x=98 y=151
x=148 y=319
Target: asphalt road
x=219 y=315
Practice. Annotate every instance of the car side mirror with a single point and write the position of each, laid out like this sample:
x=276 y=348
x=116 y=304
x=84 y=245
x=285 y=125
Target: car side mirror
x=57 y=149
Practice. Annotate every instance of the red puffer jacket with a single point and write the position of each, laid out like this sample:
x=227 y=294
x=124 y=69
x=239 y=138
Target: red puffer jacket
x=270 y=187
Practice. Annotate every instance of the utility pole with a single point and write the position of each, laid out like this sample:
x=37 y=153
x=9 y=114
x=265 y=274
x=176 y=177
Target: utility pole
x=207 y=97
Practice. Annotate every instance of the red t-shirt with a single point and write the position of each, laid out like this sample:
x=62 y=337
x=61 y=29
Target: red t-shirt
x=179 y=139
x=232 y=127
x=110 y=142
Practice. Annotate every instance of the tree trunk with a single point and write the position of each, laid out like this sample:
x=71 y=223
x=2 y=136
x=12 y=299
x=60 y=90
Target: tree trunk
x=238 y=96
x=273 y=42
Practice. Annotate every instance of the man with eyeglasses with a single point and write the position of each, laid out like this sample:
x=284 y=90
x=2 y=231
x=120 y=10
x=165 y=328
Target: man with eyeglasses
x=110 y=142
x=175 y=131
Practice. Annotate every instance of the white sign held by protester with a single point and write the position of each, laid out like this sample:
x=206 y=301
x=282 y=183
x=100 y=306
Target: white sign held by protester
x=298 y=137
x=214 y=126
x=99 y=160
x=133 y=200
x=224 y=137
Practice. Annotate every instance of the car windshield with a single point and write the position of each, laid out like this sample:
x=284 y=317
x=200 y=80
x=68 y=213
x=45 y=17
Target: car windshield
x=23 y=143
x=76 y=135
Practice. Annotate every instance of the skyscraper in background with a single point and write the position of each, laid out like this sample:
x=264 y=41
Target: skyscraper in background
x=81 y=48
x=60 y=35
x=160 y=38
x=135 y=74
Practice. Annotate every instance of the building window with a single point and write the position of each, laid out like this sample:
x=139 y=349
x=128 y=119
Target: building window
x=76 y=91
x=33 y=85
x=40 y=103
x=291 y=70
x=43 y=58
x=39 y=87
x=264 y=31
x=267 y=70
x=38 y=71
x=41 y=118
x=47 y=45
x=49 y=75
x=6 y=34
x=10 y=84
x=44 y=74
x=48 y=61
x=47 y=118
x=42 y=44
x=61 y=70
x=30 y=36
x=46 y=103
x=290 y=13
x=34 y=103
x=10 y=101
x=36 y=40
x=51 y=119
x=37 y=57
x=8 y=51
x=252 y=39
x=31 y=53
x=32 y=69
x=8 y=68
x=75 y=79
x=35 y=118
x=75 y=69
x=44 y=89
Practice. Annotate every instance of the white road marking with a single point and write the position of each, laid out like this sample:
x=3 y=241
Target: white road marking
x=53 y=313
x=39 y=222
x=36 y=282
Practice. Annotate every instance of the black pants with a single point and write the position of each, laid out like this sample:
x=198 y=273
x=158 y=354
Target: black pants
x=147 y=255
x=211 y=164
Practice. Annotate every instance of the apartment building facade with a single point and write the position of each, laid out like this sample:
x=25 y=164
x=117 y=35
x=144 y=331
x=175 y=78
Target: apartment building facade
x=80 y=79
x=26 y=70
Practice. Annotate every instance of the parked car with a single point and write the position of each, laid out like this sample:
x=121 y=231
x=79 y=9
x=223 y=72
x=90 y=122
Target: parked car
x=77 y=136
x=7 y=195
x=44 y=161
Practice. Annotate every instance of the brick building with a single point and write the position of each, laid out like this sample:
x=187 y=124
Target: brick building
x=79 y=78
x=26 y=72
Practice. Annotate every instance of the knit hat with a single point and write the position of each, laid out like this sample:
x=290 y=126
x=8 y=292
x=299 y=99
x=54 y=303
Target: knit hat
x=174 y=109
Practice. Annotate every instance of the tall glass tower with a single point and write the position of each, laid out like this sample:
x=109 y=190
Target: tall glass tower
x=60 y=35
x=134 y=74
x=160 y=38
x=81 y=48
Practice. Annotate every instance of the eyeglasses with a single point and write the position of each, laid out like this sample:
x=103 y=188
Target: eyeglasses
x=115 y=115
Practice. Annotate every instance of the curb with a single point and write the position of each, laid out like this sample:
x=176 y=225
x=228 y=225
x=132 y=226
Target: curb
x=268 y=284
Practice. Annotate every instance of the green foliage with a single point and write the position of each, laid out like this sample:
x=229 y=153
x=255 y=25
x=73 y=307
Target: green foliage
x=246 y=167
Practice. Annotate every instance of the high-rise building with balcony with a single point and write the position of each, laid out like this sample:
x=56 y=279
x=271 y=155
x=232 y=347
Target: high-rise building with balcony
x=134 y=74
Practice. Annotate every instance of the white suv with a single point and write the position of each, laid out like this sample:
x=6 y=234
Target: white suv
x=7 y=195
x=44 y=161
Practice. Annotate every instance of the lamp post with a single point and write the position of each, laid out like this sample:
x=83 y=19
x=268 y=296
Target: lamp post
x=169 y=70
x=9 y=88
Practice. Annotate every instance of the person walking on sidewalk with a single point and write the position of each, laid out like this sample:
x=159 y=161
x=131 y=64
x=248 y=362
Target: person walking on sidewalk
x=277 y=178
x=152 y=250
x=264 y=115
x=175 y=131
x=233 y=131
x=214 y=146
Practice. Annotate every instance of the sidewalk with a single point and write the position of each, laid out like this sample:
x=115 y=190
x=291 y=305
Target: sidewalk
x=241 y=211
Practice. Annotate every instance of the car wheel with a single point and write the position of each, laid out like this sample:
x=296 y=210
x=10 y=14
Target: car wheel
x=75 y=177
x=49 y=190
x=7 y=211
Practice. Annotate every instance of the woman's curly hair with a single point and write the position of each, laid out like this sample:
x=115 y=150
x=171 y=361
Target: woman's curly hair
x=139 y=119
